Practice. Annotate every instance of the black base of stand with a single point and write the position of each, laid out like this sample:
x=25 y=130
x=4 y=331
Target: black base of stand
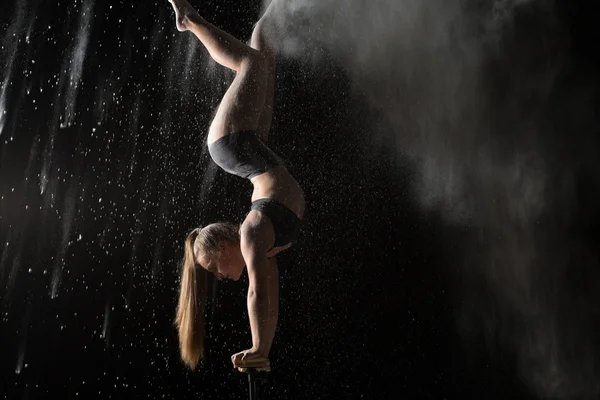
x=255 y=378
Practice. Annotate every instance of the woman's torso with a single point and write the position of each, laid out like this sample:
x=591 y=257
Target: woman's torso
x=275 y=183
x=278 y=184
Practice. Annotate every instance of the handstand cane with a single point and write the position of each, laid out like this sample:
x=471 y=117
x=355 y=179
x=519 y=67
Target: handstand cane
x=256 y=375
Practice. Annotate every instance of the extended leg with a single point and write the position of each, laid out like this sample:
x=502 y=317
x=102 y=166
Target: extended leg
x=243 y=102
x=262 y=36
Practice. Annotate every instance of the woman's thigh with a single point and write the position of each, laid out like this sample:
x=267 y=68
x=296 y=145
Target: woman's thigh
x=243 y=102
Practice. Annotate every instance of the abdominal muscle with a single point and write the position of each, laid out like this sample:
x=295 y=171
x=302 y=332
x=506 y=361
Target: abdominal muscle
x=278 y=184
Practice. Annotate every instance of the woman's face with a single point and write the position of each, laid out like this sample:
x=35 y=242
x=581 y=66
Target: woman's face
x=228 y=263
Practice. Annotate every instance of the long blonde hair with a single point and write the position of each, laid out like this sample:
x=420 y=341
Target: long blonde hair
x=193 y=289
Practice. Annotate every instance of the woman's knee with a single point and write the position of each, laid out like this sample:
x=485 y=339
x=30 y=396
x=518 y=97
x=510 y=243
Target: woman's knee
x=255 y=67
x=254 y=60
x=260 y=41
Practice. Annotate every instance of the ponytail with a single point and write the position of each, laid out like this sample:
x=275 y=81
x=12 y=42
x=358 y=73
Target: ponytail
x=190 y=309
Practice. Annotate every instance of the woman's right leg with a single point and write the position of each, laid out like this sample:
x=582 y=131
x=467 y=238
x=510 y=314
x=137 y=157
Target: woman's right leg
x=243 y=102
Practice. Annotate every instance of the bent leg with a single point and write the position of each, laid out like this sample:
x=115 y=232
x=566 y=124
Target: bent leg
x=222 y=47
x=243 y=102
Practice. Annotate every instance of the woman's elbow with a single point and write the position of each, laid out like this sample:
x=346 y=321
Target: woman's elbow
x=257 y=294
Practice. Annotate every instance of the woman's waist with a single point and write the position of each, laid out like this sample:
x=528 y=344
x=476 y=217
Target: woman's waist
x=278 y=184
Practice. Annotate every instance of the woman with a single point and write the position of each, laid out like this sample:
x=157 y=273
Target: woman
x=236 y=143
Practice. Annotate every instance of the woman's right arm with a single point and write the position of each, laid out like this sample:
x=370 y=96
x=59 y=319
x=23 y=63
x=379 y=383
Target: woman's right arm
x=274 y=251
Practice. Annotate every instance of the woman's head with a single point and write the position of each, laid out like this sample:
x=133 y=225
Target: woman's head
x=216 y=249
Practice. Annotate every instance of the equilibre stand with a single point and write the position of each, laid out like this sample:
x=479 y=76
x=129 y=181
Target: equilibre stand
x=256 y=375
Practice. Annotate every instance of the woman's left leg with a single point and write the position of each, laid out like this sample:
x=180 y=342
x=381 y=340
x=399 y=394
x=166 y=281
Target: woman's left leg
x=242 y=104
x=262 y=36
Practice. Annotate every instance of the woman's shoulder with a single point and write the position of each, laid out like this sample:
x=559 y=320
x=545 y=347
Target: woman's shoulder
x=257 y=232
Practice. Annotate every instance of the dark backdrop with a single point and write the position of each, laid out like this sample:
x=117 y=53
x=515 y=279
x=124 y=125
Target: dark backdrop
x=96 y=201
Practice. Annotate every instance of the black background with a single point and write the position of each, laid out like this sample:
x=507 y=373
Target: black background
x=370 y=295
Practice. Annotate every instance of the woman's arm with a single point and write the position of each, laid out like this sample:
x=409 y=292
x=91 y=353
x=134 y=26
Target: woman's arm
x=263 y=304
x=263 y=289
x=276 y=250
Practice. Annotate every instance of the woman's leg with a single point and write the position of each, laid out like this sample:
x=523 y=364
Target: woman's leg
x=243 y=102
x=262 y=36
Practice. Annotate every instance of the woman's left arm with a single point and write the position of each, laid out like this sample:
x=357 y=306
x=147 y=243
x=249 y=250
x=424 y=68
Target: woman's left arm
x=263 y=304
x=263 y=292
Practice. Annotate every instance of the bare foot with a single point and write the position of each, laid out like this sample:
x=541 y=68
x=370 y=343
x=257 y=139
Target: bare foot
x=183 y=12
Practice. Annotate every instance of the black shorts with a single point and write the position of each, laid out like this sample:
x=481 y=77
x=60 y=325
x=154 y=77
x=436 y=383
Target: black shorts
x=285 y=222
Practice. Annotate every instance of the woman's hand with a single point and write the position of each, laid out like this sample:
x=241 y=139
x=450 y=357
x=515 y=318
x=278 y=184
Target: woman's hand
x=279 y=249
x=250 y=358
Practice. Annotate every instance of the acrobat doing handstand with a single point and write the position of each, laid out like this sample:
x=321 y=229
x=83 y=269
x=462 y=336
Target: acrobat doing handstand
x=236 y=142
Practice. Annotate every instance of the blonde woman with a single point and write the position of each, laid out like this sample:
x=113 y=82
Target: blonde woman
x=236 y=142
